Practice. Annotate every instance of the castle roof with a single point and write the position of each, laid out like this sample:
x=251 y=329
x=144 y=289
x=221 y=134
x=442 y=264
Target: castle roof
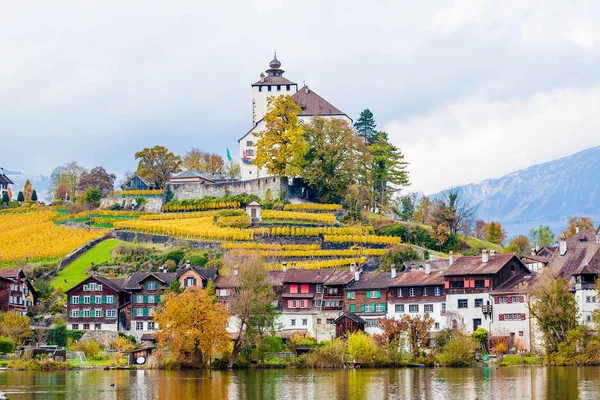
x=313 y=104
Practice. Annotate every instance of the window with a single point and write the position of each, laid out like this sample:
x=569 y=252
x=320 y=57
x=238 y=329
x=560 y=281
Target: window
x=411 y=292
x=138 y=312
x=437 y=326
x=479 y=283
x=293 y=288
x=333 y=291
x=92 y=287
x=287 y=87
x=151 y=299
x=294 y=304
x=443 y=308
x=260 y=88
x=590 y=299
x=304 y=322
x=86 y=299
x=110 y=299
x=150 y=326
x=371 y=323
x=478 y=303
x=476 y=323
x=413 y=308
x=86 y=327
x=373 y=294
x=319 y=288
x=352 y=308
x=329 y=321
x=222 y=292
x=98 y=300
x=250 y=152
x=98 y=313
x=97 y=326
x=139 y=326
x=74 y=299
x=517 y=299
x=151 y=285
x=74 y=313
x=269 y=88
x=190 y=282
x=86 y=313
x=249 y=143
x=425 y=291
x=139 y=298
x=463 y=303
x=399 y=292
x=29 y=303
x=437 y=291
x=318 y=321
x=317 y=303
x=111 y=313
x=428 y=308
x=293 y=322
x=302 y=303
x=379 y=307
x=75 y=327
x=399 y=308
x=351 y=295
x=521 y=333
x=85 y=288
x=457 y=284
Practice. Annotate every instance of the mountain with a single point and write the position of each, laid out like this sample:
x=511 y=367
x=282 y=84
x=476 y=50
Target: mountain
x=40 y=183
x=546 y=194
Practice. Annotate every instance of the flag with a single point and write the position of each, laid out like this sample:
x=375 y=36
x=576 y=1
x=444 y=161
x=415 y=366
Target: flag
x=229 y=155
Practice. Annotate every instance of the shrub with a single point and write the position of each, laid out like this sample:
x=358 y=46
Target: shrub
x=90 y=347
x=397 y=256
x=330 y=355
x=20 y=197
x=6 y=346
x=5 y=198
x=92 y=195
x=361 y=347
x=175 y=255
x=459 y=351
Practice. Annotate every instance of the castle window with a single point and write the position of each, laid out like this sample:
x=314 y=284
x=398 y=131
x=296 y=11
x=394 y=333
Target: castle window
x=269 y=88
x=260 y=88
x=279 y=88
x=287 y=87
x=249 y=143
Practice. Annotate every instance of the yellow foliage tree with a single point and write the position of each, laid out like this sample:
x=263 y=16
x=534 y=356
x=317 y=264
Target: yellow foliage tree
x=15 y=327
x=192 y=325
x=27 y=190
x=282 y=146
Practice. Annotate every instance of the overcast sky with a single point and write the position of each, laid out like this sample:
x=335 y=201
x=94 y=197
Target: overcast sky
x=468 y=90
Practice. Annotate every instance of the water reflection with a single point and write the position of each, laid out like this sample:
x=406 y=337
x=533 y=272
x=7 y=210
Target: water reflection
x=460 y=384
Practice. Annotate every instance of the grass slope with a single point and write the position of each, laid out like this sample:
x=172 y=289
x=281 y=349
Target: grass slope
x=75 y=272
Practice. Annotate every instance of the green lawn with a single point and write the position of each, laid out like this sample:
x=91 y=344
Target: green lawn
x=75 y=272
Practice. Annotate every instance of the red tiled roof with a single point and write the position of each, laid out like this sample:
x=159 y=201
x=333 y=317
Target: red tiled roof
x=582 y=250
x=313 y=104
x=10 y=272
x=516 y=284
x=274 y=80
x=227 y=281
x=473 y=265
x=417 y=277
x=306 y=276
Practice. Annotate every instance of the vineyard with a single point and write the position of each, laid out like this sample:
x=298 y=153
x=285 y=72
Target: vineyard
x=312 y=207
x=291 y=216
x=34 y=236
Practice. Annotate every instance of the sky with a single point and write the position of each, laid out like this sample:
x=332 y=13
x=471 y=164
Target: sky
x=468 y=90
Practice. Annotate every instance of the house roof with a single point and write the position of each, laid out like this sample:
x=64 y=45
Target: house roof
x=373 y=280
x=340 y=277
x=5 y=179
x=440 y=264
x=351 y=316
x=117 y=284
x=254 y=203
x=273 y=80
x=582 y=250
x=306 y=276
x=417 y=277
x=206 y=273
x=516 y=284
x=134 y=280
x=536 y=258
x=473 y=265
x=313 y=104
x=227 y=281
x=10 y=272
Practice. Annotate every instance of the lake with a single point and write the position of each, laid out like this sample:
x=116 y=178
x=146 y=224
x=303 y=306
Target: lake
x=462 y=384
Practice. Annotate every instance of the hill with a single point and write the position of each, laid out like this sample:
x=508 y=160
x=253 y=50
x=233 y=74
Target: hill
x=542 y=194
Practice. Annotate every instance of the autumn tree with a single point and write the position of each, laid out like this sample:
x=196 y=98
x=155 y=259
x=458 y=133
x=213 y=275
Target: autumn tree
x=281 y=147
x=519 y=244
x=253 y=302
x=331 y=159
x=455 y=212
x=15 y=327
x=65 y=179
x=480 y=229
x=27 y=190
x=542 y=236
x=576 y=223
x=405 y=207
x=9 y=193
x=423 y=210
x=232 y=169
x=494 y=233
x=192 y=325
x=386 y=171
x=554 y=308
x=98 y=178
x=365 y=126
x=415 y=329
x=198 y=160
x=157 y=164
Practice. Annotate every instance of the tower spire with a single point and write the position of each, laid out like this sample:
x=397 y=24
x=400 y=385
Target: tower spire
x=275 y=66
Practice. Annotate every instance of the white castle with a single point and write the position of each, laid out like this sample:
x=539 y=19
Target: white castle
x=274 y=84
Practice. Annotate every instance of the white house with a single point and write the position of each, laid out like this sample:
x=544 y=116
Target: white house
x=270 y=85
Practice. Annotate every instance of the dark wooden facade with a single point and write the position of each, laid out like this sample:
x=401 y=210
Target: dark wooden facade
x=348 y=323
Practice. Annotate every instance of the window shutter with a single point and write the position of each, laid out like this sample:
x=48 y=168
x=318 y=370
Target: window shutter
x=103 y=299
x=92 y=300
x=102 y=313
x=145 y=298
x=80 y=313
x=352 y=307
x=487 y=283
x=348 y=295
x=157 y=298
x=368 y=294
x=378 y=294
x=145 y=312
x=362 y=307
x=384 y=307
x=447 y=285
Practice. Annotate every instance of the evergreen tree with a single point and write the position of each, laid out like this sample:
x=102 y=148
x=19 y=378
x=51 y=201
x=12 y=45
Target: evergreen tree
x=365 y=126
x=20 y=197
x=34 y=196
x=5 y=198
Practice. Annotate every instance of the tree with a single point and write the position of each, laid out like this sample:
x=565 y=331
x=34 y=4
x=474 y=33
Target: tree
x=417 y=330
x=494 y=233
x=98 y=178
x=157 y=164
x=232 y=169
x=15 y=327
x=397 y=256
x=5 y=198
x=282 y=146
x=198 y=160
x=27 y=190
x=6 y=346
x=423 y=210
x=331 y=159
x=20 y=197
x=459 y=351
x=456 y=212
x=34 y=196
x=576 y=223
x=406 y=207
x=361 y=347
x=67 y=177
x=10 y=193
x=542 y=236
x=192 y=325
x=365 y=126
x=387 y=171
x=92 y=195
x=252 y=304
x=519 y=244
x=480 y=229
x=554 y=308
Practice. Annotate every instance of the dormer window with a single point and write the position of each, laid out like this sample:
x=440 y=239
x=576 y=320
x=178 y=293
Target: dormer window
x=151 y=285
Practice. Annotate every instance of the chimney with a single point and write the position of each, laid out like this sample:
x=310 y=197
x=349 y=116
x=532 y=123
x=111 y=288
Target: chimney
x=427 y=268
x=562 y=245
x=484 y=256
x=356 y=276
x=451 y=258
x=533 y=252
x=576 y=230
x=393 y=271
x=352 y=267
x=284 y=267
x=537 y=248
x=492 y=253
x=236 y=272
x=306 y=89
x=1 y=170
x=187 y=263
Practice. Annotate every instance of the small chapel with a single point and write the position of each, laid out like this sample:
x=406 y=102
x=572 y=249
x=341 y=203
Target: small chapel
x=275 y=84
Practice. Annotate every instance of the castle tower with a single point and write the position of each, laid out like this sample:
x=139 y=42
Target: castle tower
x=272 y=84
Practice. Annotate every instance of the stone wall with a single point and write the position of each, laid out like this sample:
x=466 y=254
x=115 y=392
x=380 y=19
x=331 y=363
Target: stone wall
x=259 y=187
x=134 y=237
x=153 y=203
x=104 y=338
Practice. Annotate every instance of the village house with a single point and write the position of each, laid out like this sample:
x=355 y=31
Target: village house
x=577 y=260
x=468 y=283
x=193 y=276
x=145 y=290
x=16 y=292
x=4 y=182
x=136 y=183
x=98 y=304
x=204 y=178
x=367 y=297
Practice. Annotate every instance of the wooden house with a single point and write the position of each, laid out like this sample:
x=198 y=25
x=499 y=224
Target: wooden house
x=20 y=294
x=136 y=183
x=347 y=323
x=145 y=290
